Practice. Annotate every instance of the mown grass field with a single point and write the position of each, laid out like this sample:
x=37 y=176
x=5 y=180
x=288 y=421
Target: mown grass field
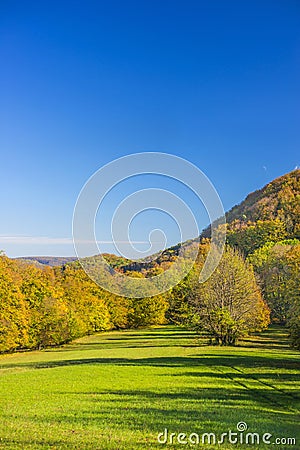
x=118 y=390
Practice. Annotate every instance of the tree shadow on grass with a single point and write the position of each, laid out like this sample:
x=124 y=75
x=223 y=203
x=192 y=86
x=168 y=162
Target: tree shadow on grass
x=190 y=410
x=227 y=359
x=120 y=344
x=142 y=335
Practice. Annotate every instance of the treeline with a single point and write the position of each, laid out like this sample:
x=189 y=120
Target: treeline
x=48 y=306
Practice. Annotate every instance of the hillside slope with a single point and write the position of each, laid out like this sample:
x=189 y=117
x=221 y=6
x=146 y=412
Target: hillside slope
x=280 y=199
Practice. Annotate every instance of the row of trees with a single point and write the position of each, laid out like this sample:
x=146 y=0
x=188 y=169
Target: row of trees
x=50 y=306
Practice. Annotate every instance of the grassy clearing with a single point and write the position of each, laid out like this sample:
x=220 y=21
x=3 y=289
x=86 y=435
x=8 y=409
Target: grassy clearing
x=118 y=390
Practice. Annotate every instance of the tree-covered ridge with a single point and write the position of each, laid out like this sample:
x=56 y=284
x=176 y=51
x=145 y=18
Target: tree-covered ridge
x=280 y=199
x=270 y=214
x=275 y=209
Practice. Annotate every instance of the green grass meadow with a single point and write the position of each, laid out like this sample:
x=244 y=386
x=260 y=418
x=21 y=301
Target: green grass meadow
x=118 y=390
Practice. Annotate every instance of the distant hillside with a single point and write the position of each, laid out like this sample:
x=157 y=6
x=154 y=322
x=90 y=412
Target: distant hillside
x=278 y=200
x=48 y=260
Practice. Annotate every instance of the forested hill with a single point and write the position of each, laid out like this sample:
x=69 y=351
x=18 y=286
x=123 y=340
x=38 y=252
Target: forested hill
x=279 y=199
x=277 y=205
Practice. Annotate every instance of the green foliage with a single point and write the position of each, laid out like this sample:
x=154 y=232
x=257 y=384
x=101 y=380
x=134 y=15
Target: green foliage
x=293 y=293
x=147 y=311
x=53 y=326
x=250 y=236
x=294 y=324
x=118 y=308
x=228 y=330
x=276 y=265
x=179 y=310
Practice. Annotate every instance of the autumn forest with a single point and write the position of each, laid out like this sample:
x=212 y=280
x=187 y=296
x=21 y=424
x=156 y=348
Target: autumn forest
x=256 y=283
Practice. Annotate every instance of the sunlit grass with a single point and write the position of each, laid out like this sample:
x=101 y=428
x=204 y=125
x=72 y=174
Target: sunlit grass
x=118 y=390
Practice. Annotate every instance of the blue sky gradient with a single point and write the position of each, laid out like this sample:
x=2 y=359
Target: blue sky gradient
x=83 y=83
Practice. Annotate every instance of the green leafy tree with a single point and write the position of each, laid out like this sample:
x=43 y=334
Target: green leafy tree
x=276 y=267
x=147 y=311
x=54 y=324
x=293 y=291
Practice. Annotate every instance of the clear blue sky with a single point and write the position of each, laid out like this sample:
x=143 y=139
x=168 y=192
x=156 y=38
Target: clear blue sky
x=85 y=82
